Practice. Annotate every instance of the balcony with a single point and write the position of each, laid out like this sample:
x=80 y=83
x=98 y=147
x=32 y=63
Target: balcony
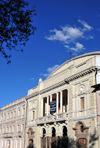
x=53 y=118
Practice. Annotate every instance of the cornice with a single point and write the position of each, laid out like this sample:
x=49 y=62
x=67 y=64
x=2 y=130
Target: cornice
x=53 y=87
x=83 y=117
x=32 y=95
x=80 y=74
x=12 y=106
x=12 y=121
x=94 y=54
x=65 y=81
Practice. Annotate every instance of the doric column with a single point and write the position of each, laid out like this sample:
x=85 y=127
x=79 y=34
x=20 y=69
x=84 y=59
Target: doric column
x=41 y=107
x=61 y=101
x=47 y=104
x=57 y=102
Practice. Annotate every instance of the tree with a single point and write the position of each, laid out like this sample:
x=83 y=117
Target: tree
x=15 y=25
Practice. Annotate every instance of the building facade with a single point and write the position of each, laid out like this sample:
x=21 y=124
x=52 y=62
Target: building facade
x=74 y=124
x=12 y=124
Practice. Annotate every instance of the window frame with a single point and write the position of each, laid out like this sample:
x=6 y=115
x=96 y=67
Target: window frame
x=82 y=103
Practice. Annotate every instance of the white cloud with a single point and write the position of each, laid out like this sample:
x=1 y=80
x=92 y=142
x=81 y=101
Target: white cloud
x=78 y=47
x=69 y=35
x=50 y=70
x=67 y=46
x=89 y=37
x=32 y=79
x=66 y=35
x=86 y=26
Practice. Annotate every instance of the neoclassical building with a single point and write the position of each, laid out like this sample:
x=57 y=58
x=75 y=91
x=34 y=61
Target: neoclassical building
x=12 y=124
x=70 y=90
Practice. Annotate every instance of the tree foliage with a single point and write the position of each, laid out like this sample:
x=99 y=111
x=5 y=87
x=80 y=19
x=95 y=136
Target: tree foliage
x=15 y=25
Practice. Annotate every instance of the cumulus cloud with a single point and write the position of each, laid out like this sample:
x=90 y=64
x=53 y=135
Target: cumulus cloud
x=50 y=70
x=69 y=35
x=66 y=35
x=78 y=47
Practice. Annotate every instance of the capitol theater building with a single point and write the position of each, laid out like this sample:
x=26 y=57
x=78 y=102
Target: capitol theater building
x=63 y=111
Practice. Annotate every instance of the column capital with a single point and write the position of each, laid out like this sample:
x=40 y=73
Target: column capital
x=61 y=91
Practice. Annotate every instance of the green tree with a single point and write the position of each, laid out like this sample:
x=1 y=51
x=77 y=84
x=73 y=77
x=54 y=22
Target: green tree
x=15 y=25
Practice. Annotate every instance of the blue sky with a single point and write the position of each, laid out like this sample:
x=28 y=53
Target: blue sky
x=63 y=26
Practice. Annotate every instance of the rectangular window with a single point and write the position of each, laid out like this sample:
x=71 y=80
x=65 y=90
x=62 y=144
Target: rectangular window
x=23 y=112
x=5 y=116
x=17 y=128
x=19 y=112
x=22 y=127
x=10 y=129
x=82 y=103
x=33 y=115
x=14 y=114
x=2 y=117
x=3 y=130
x=8 y=115
x=13 y=129
x=11 y=115
x=7 y=129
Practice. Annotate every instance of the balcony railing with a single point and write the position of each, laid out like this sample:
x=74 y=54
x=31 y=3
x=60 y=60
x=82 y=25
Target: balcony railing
x=49 y=119
x=52 y=118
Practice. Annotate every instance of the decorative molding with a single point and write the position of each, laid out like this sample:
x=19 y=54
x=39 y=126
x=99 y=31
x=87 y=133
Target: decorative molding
x=71 y=78
x=31 y=125
x=13 y=121
x=11 y=107
x=83 y=117
x=32 y=95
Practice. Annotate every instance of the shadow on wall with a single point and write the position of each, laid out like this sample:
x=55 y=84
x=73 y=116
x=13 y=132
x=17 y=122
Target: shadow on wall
x=92 y=139
x=67 y=142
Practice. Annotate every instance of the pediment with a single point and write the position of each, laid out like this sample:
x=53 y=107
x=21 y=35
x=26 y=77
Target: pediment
x=77 y=62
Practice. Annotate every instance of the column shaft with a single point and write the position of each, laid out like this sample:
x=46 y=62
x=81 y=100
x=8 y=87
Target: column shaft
x=61 y=101
x=57 y=102
x=41 y=107
x=47 y=104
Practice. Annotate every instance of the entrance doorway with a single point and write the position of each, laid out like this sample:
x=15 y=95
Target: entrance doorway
x=55 y=141
x=81 y=133
x=82 y=143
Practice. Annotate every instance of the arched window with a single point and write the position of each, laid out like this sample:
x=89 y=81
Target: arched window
x=53 y=132
x=64 y=131
x=81 y=128
x=44 y=132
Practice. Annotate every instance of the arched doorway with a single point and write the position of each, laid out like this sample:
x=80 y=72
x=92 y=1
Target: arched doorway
x=53 y=138
x=64 y=138
x=43 y=138
x=64 y=131
x=53 y=132
x=81 y=133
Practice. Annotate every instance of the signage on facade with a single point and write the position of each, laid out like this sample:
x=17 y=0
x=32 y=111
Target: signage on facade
x=52 y=107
